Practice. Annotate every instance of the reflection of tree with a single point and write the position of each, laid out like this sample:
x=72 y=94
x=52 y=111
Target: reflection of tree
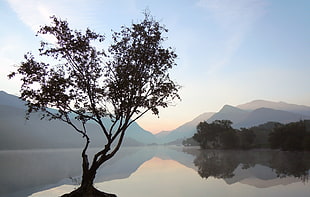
x=215 y=164
x=296 y=164
x=222 y=164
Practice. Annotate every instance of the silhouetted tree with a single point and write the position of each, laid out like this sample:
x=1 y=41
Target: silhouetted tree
x=306 y=142
x=292 y=136
x=202 y=132
x=83 y=84
x=246 y=138
x=262 y=134
x=229 y=139
x=218 y=134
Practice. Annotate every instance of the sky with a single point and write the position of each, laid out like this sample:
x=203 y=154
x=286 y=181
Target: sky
x=229 y=51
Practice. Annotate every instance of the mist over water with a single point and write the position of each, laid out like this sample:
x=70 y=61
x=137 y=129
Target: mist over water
x=159 y=171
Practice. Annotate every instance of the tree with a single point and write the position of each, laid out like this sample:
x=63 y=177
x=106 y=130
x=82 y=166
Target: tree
x=83 y=84
x=292 y=136
x=218 y=134
x=246 y=138
x=203 y=134
x=229 y=139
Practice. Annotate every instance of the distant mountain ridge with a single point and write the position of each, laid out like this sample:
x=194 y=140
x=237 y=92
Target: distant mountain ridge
x=17 y=133
x=263 y=115
x=12 y=121
x=183 y=131
x=246 y=115
x=256 y=104
x=11 y=100
x=229 y=113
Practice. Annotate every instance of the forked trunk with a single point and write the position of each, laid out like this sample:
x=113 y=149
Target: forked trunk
x=89 y=172
x=88 y=178
x=87 y=188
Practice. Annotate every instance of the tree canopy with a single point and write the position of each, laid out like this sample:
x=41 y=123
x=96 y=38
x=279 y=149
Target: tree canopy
x=218 y=134
x=82 y=83
x=292 y=136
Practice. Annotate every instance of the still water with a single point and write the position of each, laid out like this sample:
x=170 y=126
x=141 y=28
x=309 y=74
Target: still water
x=160 y=171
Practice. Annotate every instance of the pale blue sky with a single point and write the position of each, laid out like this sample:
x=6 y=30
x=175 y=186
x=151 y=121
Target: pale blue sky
x=229 y=51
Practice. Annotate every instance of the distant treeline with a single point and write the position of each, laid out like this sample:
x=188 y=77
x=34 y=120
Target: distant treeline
x=220 y=135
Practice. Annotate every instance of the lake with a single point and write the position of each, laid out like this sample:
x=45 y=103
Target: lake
x=160 y=171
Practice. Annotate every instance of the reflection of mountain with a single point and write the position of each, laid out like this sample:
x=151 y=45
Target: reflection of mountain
x=256 y=168
x=259 y=176
x=176 y=154
x=125 y=163
x=29 y=171
x=26 y=172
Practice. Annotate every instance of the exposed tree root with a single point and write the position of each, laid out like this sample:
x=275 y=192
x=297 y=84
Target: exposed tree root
x=88 y=192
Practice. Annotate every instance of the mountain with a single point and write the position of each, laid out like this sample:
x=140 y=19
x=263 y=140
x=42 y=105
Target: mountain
x=17 y=133
x=256 y=104
x=11 y=100
x=137 y=133
x=162 y=134
x=246 y=115
x=184 y=131
x=228 y=112
x=263 y=115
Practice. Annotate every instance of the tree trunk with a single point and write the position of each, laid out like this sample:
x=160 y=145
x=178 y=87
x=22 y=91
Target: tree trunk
x=87 y=188
x=88 y=178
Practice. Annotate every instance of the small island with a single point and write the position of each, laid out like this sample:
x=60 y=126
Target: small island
x=220 y=134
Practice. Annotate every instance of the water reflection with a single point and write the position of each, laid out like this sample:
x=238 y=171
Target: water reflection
x=231 y=164
x=29 y=171
x=171 y=168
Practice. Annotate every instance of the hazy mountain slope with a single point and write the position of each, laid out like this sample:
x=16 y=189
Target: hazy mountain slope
x=184 y=131
x=17 y=133
x=162 y=134
x=139 y=134
x=11 y=100
x=228 y=112
x=202 y=117
x=244 y=117
x=256 y=104
x=263 y=115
